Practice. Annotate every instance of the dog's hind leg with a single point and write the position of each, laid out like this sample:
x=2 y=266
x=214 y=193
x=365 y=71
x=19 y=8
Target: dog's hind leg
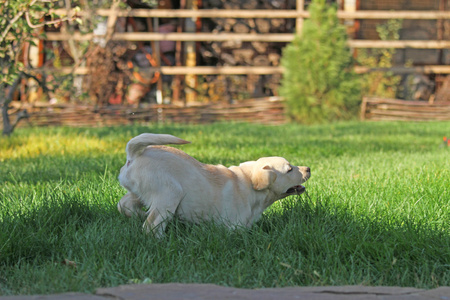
x=130 y=206
x=163 y=208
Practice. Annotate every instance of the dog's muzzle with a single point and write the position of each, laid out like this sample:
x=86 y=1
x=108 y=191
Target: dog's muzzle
x=298 y=189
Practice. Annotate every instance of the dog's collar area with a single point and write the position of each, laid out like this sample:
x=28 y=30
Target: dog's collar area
x=298 y=189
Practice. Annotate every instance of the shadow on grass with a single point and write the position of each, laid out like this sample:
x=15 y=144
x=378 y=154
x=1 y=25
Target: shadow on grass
x=298 y=242
x=335 y=245
x=40 y=232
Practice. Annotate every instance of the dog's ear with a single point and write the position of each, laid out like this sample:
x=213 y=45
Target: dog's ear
x=263 y=177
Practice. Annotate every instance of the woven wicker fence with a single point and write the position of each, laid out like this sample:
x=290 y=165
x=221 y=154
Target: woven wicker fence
x=265 y=111
x=379 y=109
x=270 y=111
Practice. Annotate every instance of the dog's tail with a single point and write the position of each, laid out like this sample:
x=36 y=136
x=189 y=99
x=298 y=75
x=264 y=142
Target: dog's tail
x=137 y=145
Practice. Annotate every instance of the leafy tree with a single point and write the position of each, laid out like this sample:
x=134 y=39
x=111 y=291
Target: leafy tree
x=20 y=19
x=319 y=83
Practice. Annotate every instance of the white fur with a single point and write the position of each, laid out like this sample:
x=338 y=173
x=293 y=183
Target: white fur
x=168 y=183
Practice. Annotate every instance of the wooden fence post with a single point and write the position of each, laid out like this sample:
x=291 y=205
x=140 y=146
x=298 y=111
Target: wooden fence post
x=191 y=59
x=299 y=20
x=363 y=108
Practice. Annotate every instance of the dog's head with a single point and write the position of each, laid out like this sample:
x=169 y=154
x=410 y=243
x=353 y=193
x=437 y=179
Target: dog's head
x=278 y=176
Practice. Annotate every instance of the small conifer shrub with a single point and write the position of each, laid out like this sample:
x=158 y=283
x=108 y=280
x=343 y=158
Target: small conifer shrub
x=319 y=84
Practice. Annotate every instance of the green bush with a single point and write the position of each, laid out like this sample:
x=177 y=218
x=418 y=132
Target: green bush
x=381 y=83
x=319 y=84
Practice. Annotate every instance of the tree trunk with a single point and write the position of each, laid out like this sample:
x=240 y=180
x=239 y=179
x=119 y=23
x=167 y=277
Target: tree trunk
x=5 y=100
x=7 y=128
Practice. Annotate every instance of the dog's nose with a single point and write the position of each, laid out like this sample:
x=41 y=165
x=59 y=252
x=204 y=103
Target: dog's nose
x=308 y=170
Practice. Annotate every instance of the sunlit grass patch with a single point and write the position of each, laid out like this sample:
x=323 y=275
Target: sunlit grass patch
x=52 y=145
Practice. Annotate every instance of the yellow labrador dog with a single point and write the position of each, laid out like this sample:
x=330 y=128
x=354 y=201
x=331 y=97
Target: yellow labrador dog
x=168 y=183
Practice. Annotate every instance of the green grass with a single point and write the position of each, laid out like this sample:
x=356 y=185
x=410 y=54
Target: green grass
x=377 y=210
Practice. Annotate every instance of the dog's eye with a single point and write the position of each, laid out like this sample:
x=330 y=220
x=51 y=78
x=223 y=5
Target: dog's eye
x=290 y=169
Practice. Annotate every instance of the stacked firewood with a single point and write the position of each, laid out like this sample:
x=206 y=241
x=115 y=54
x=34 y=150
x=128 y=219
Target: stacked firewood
x=238 y=53
x=107 y=83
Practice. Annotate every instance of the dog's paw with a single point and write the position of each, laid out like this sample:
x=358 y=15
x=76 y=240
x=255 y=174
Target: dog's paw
x=150 y=229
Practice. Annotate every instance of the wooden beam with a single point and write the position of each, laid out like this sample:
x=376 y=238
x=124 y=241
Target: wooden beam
x=251 y=37
x=264 y=13
x=417 y=44
x=243 y=70
x=206 y=70
x=201 y=13
x=431 y=69
x=394 y=14
x=199 y=36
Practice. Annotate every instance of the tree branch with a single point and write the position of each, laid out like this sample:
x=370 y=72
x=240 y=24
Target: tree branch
x=13 y=87
x=10 y=25
x=27 y=16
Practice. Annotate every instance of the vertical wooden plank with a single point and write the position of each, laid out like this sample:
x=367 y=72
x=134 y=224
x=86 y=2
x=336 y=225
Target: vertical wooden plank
x=154 y=27
x=112 y=20
x=176 y=84
x=363 y=108
x=440 y=31
x=299 y=21
x=191 y=59
x=159 y=83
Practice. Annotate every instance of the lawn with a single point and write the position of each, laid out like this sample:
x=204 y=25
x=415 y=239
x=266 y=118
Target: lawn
x=376 y=212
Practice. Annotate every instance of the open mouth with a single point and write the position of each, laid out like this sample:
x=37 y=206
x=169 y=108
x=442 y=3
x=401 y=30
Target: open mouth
x=298 y=189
